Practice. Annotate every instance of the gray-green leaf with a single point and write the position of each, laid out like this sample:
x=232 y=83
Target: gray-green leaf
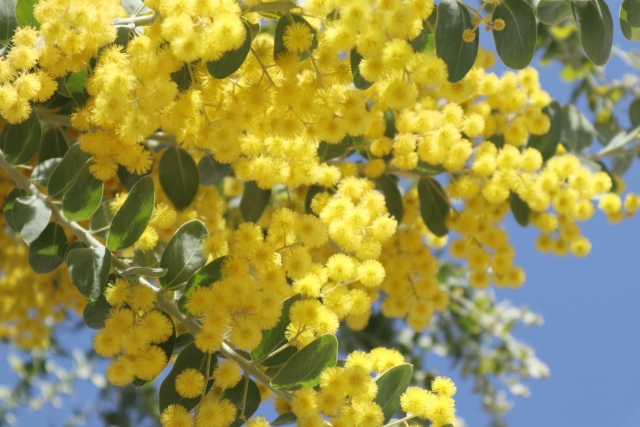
x=9 y=202
x=552 y=12
x=253 y=202
x=65 y=174
x=391 y=385
x=520 y=209
x=358 y=81
x=232 y=60
x=630 y=19
x=595 y=27
x=237 y=396
x=30 y=217
x=24 y=13
x=183 y=255
x=212 y=172
x=8 y=22
x=516 y=43
x=43 y=171
x=453 y=19
x=131 y=220
x=392 y=196
x=274 y=338
x=46 y=253
x=179 y=177
x=21 y=141
x=304 y=367
x=434 y=205
x=89 y=270
x=83 y=197
x=205 y=276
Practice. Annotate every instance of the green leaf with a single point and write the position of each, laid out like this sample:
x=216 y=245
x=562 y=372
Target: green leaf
x=634 y=112
x=101 y=219
x=166 y=346
x=621 y=164
x=30 y=217
x=9 y=202
x=358 y=81
x=89 y=270
x=183 y=256
x=133 y=217
x=516 y=43
x=96 y=312
x=425 y=168
x=552 y=12
x=65 y=174
x=8 y=22
x=134 y=7
x=184 y=340
x=237 y=395
x=285 y=419
x=46 y=253
x=618 y=142
x=548 y=143
x=232 y=60
x=42 y=172
x=182 y=77
x=179 y=177
x=142 y=271
x=21 y=141
x=24 y=13
x=128 y=179
x=189 y=357
x=520 y=209
x=78 y=244
x=328 y=151
x=426 y=40
x=149 y=258
x=304 y=367
x=391 y=385
x=595 y=27
x=453 y=19
x=630 y=19
x=83 y=197
x=434 y=205
x=205 y=276
x=73 y=86
x=253 y=202
x=311 y=192
x=281 y=27
x=212 y=172
x=577 y=133
x=53 y=144
x=392 y=196
x=274 y=338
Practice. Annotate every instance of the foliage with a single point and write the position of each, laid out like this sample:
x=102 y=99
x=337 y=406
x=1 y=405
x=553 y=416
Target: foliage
x=254 y=197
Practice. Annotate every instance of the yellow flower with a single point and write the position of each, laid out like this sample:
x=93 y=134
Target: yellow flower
x=297 y=37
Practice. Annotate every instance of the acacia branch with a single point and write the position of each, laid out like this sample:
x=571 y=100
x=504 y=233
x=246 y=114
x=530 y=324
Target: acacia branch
x=162 y=301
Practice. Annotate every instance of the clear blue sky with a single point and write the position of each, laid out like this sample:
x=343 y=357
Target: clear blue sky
x=590 y=338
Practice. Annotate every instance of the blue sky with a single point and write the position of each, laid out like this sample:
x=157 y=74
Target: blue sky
x=590 y=338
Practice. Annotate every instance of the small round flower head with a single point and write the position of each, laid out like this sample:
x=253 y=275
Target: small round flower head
x=257 y=422
x=304 y=403
x=118 y=292
x=190 y=383
x=227 y=374
x=120 y=371
x=297 y=37
x=150 y=363
x=214 y=413
x=142 y=298
x=443 y=386
x=176 y=415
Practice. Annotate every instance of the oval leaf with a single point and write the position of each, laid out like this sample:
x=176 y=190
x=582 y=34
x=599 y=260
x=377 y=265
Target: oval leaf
x=212 y=172
x=52 y=144
x=95 y=312
x=128 y=179
x=203 y=277
x=83 y=197
x=595 y=27
x=100 y=220
x=8 y=21
x=134 y=215
x=232 y=60
x=149 y=258
x=391 y=385
x=576 y=134
x=304 y=367
x=274 y=338
x=46 y=253
x=328 y=151
x=358 y=81
x=142 y=271
x=89 y=270
x=237 y=396
x=253 y=202
x=453 y=19
x=634 y=112
x=630 y=19
x=392 y=197
x=189 y=357
x=516 y=43
x=30 y=217
x=281 y=27
x=179 y=177
x=520 y=209
x=285 y=419
x=24 y=13
x=434 y=206
x=552 y=12
x=21 y=141
x=43 y=171
x=183 y=256
x=426 y=40
x=65 y=174
x=7 y=209
x=548 y=143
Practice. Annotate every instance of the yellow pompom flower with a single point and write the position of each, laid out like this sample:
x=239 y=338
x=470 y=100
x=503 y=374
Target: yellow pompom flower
x=190 y=383
x=142 y=298
x=443 y=386
x=120 y=371
x=176 y=415
x=117 y=292
x=227 y=374
x=297 y=37
x=303 y=403
x=258 y=422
